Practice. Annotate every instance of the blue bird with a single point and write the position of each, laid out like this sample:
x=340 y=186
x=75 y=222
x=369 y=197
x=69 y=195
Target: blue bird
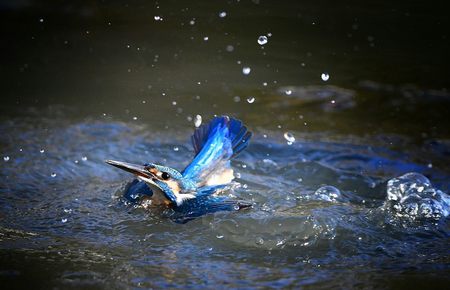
x=193 y=191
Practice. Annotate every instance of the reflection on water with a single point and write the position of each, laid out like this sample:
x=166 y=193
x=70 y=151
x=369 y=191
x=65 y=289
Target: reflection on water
x=348 y=169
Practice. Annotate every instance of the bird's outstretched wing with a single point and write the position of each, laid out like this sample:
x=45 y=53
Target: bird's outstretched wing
x=215 y=144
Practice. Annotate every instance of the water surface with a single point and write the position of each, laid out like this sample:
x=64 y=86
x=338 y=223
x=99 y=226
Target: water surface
x=333 y=208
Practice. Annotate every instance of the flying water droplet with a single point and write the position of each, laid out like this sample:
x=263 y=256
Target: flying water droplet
x=206 y=38
x=157 y=18
x=222 y=14
x=246 y=70
x=219 y=236
x=64 y=220
x=251 y=100
x=176 y=148
x=53 y=174
x=289 y=138
x=84 y=158
x=325 y=77
x=197 y=121
x=229 y=48
x=42 y=151
x=288 y=92
x=6 y=158
x=262 y=40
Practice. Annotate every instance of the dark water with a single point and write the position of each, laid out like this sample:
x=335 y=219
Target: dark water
x=87 y=81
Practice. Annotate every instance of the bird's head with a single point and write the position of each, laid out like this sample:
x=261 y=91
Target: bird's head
x=168 y=185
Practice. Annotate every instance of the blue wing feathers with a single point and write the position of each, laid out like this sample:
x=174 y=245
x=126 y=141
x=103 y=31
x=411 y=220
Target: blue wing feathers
x=215 y=144
x=237 y=133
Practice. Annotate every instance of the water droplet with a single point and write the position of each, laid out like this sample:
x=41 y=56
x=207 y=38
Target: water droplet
x=42 y=151
x=288 y=92
x=222 y=14
x=174 y=103
x=325 y=77
x=41 y=20
x=176 y=148
x=53 y=174
x=198 y=121
x=259 y=241
x=265 y=84
x=289 y=138
x=84 y=158
x=135 y=118
x=192 y=22
x=206 y=38
x=262 y=40
x=64 y=220
x=251 y=100
x=229 y=48
x=246 y=70
x=219 y=236
x=157 y=18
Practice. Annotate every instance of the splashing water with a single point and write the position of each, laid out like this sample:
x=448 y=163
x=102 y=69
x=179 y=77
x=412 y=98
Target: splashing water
x=289 y=137
x=197 y=121
x=412 y=195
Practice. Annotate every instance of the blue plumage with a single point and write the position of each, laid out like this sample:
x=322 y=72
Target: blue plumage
x=192 y=192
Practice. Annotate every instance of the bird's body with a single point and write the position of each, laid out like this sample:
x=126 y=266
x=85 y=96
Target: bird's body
x=194 y=190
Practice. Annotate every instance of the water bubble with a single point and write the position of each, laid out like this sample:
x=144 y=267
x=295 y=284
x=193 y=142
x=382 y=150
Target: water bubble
x=84 y=158
x=288 y=92
x=219 y=236
x=222 y=14
x=251 y=100
x=53 y=174
x=206 y=38
x=328 y=193
x=64 y=220
x=325 y=77
x=174 y=103
x=176 y=148
x=135 y=118
x=246 y=70
x=42 y=151
x=412 y=195
x=198 y=121
x=192 y=22
x=6 y=158
x=157 y=18
x=289 y=138
x=41 y=20
x=262 y=40
x=265 y=84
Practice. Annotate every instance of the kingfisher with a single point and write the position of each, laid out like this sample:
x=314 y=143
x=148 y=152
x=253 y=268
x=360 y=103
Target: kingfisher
x=194 y=191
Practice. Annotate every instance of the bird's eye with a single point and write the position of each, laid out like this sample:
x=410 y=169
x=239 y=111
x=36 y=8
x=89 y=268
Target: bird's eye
x=165 y=175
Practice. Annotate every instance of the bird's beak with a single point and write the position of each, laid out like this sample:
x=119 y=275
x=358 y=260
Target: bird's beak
x=138 y=170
